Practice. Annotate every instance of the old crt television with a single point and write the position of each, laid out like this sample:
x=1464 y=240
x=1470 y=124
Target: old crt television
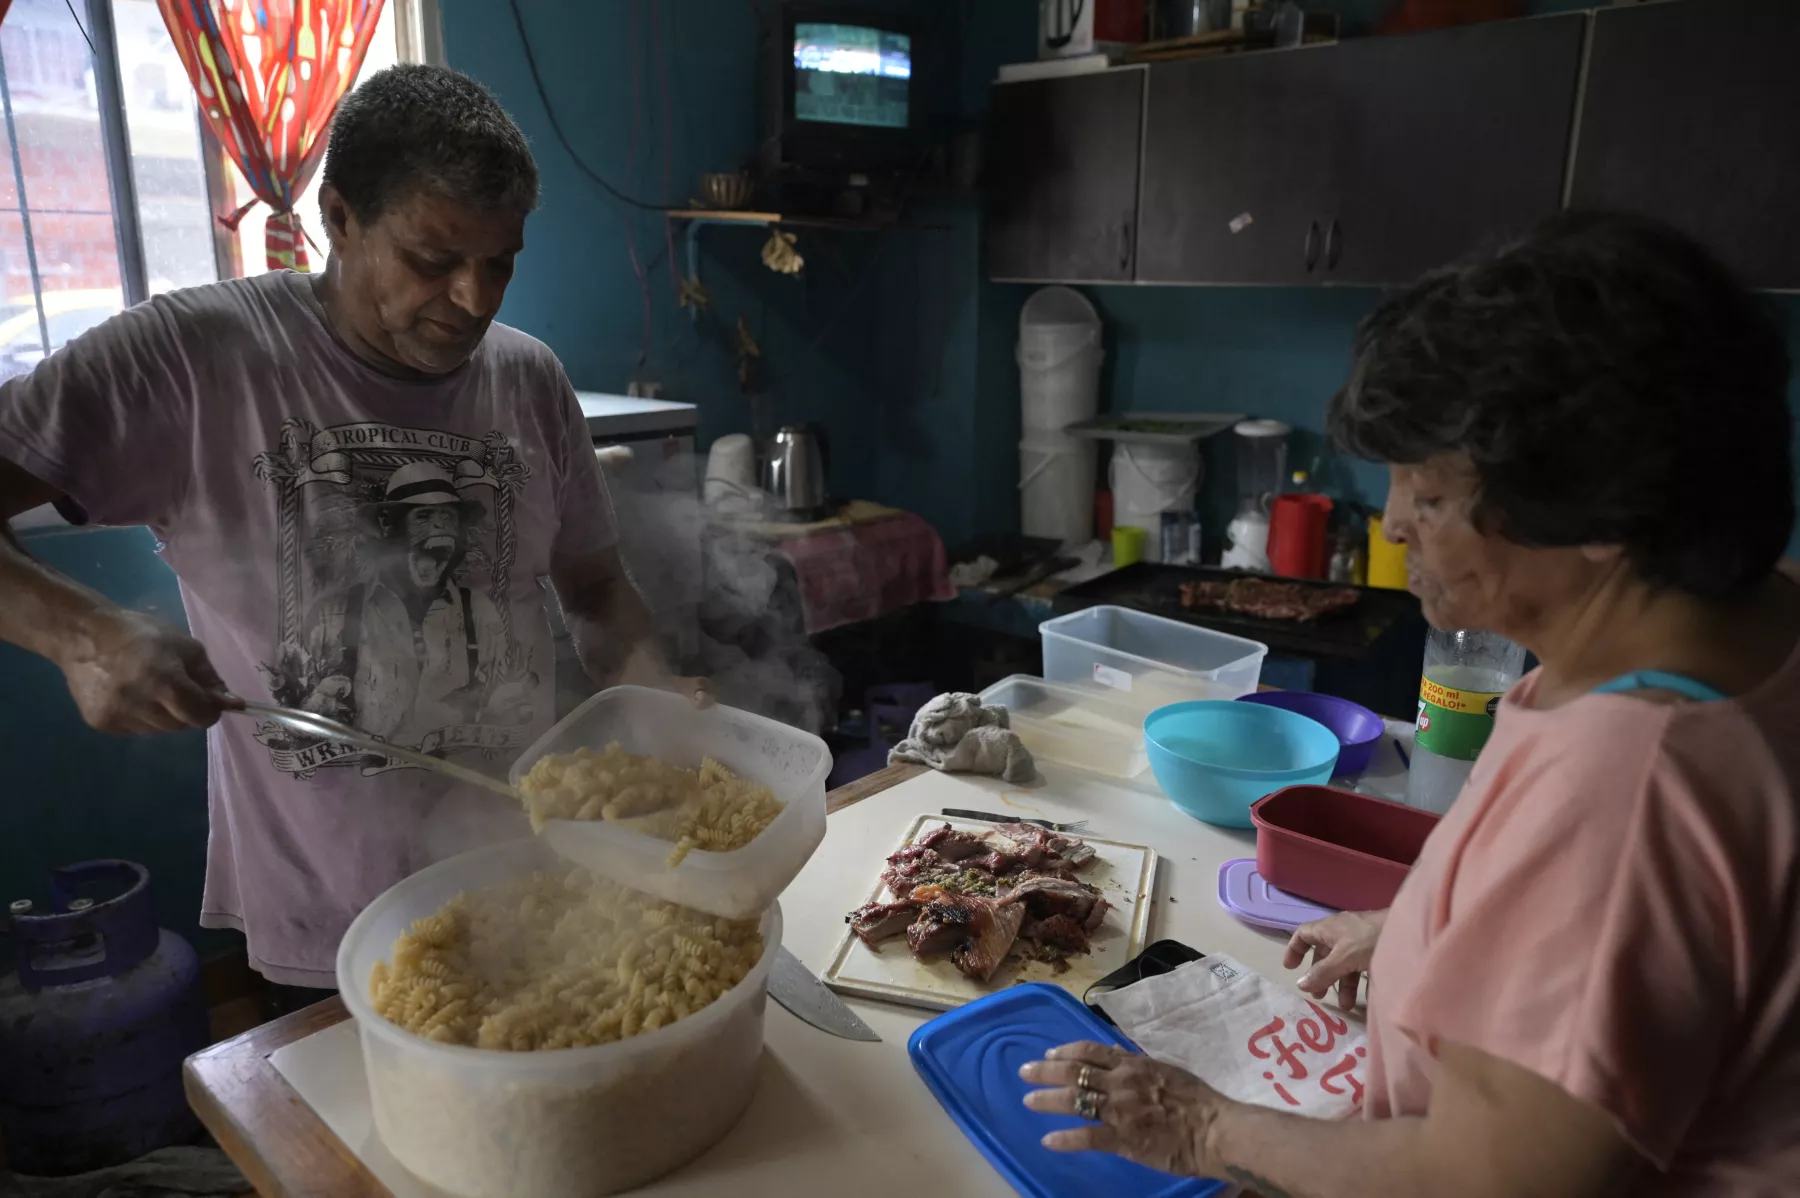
x=838 y=92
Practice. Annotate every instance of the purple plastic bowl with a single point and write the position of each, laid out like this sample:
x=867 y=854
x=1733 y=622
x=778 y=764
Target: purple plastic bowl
x=1357 y=728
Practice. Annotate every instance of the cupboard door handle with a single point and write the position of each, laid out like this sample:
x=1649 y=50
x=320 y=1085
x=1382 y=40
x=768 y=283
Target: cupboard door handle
x=1334 y=243
x=1125 y=246
x=1312 y=245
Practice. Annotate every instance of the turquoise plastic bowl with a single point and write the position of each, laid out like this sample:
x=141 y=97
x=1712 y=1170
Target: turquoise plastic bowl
x=1214 y=758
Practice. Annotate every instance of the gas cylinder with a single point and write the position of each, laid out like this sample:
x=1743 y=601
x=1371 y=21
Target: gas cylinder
x=95 y=1024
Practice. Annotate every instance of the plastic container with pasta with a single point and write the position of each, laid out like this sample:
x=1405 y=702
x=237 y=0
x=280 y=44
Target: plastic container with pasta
x=568 y=1123
x=736 y=885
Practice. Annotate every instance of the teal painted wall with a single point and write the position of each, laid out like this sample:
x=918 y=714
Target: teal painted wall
x=876 y=341
x=893 y=342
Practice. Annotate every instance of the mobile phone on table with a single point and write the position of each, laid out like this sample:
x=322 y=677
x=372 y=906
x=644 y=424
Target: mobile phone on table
x=1159 y=958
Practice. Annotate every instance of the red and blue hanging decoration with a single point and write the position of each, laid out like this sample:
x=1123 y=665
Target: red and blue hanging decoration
x=269 y=74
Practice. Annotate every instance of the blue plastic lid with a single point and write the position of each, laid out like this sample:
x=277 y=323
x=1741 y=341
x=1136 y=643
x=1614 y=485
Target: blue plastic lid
x=970 y=1059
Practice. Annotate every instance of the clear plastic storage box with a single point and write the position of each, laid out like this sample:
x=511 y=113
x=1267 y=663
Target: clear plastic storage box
x=1074 y=725
x=737 y=885
x=1148 y=661
x=563 y=1123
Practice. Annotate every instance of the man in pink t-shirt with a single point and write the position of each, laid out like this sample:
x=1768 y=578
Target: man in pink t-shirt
x=1590 y=982
x=367 y=489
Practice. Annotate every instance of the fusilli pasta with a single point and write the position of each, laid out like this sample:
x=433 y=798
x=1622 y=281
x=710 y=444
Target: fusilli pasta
x=558 y=960
x=711 y=808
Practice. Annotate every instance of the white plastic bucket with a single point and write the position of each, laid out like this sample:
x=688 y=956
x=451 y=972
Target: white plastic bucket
x=1056 y=488
x=1059 y=356
x=561 y=1123
x=1148 y=480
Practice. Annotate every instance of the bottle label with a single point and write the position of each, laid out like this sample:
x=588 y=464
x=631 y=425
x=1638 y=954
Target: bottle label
x=1454 y=723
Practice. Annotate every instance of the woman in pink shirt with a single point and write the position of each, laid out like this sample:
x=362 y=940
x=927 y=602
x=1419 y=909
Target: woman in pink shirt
x=1590 y=982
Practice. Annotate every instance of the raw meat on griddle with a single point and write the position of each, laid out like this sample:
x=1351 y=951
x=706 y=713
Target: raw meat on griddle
x=1266 y=599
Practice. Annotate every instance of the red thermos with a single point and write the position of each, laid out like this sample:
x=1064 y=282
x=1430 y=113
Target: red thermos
x=1298 y=546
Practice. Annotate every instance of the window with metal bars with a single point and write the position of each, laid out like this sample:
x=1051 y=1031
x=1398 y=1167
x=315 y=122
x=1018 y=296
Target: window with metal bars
x=110 y=188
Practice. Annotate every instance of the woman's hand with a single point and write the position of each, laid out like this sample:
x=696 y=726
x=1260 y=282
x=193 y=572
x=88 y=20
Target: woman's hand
x=1146 y=1111
x=1342 y=946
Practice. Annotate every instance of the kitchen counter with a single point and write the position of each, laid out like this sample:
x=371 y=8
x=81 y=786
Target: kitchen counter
x=827 y=1109
x=612 y=416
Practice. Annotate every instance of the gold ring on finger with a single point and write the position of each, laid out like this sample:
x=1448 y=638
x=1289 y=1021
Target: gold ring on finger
x=1087 y=1103
x=1085 y=1079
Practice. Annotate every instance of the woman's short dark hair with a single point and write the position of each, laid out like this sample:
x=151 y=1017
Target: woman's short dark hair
x=1613 y=384
x=416 y=128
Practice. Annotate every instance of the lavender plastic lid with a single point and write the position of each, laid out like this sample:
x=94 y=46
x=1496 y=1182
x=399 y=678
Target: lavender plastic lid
x=1244 y=893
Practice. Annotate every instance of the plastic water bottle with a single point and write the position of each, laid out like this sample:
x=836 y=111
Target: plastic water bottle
x=1465 y=674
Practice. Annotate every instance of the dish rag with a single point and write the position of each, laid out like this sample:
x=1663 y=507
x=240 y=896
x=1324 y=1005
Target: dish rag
x=1247 y=1037
x=956 y=734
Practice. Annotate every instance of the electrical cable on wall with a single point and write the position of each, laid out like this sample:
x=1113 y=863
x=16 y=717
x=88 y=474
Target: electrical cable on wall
x=537 y=82
x=631 y=161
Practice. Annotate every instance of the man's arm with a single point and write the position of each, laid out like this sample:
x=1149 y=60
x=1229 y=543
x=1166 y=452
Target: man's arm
x=614 y=635
x=127 y=672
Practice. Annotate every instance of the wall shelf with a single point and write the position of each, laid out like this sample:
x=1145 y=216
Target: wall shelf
x=696 y=219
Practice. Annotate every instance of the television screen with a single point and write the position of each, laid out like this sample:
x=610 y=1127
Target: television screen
x=852 y=75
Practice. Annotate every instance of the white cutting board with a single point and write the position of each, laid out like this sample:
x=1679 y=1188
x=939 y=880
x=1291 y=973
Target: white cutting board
x=1125 y=875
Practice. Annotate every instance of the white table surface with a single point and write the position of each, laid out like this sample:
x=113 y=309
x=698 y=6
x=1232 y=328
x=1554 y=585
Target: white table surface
x=838 y=1116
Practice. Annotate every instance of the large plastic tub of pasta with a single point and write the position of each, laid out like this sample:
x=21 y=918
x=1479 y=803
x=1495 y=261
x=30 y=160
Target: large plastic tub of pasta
x=569 y=1123
x=736 y=885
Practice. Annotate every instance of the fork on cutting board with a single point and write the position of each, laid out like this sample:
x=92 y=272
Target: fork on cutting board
x=1047 y=825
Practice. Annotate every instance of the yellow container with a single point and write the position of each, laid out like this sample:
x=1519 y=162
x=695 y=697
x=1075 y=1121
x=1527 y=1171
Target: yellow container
x=1128 y=545
x=1387 y=561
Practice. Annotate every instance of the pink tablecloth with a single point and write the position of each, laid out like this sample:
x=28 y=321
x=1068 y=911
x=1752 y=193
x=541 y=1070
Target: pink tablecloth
x=852 y=574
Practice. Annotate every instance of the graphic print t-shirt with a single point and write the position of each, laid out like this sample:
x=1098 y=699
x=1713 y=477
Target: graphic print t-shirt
x=371 y=549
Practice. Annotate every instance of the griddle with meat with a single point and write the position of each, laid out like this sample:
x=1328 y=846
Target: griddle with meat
x=1266 y=599
x=1301 y=617
x=980 y=897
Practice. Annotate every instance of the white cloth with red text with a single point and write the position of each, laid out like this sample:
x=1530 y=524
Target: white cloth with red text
x=1249 y=1038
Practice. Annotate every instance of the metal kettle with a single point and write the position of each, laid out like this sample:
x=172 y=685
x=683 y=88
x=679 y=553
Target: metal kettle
x=794 y=473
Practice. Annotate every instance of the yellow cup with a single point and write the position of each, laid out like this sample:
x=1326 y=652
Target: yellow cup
x=1128 y=544
x=1387 y=561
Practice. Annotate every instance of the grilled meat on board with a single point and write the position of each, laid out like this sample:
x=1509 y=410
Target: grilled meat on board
x=976 y=932
x=1059 y=933
x=875 y=922
x=973 y=896
x=1266 y=599
x=1045 y=897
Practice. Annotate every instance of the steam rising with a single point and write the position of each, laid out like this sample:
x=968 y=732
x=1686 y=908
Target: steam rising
x=752 y=641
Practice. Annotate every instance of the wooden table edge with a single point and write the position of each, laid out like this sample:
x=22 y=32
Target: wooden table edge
x=234 y=1087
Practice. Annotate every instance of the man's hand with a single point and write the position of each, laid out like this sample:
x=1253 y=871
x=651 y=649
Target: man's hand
x=132 y=674
x=700 y=690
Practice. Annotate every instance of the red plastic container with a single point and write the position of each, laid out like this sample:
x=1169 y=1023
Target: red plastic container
x=1336 y=847
x=1297 y=543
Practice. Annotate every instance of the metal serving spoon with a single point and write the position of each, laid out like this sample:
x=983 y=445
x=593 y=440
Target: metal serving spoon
x=318 y=725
